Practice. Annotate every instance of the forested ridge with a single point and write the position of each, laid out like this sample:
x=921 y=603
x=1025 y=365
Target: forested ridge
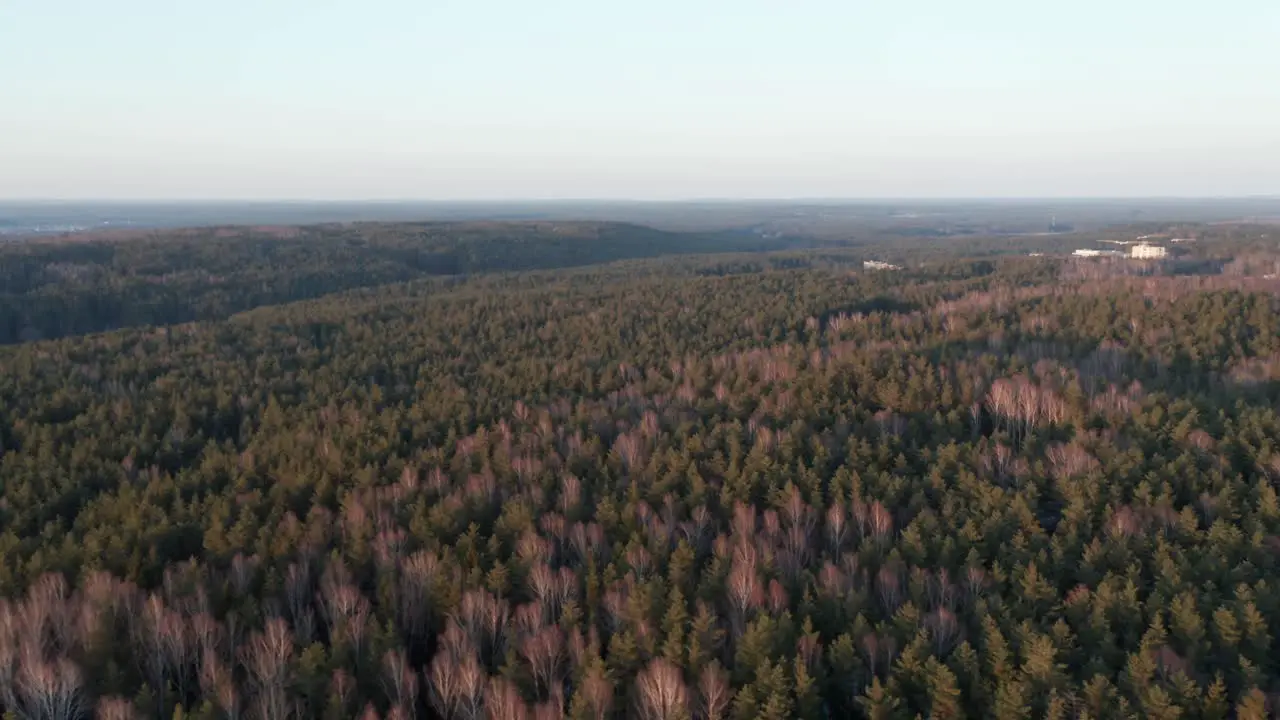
x=716 y=486
x=91 y=282
x=55 y=288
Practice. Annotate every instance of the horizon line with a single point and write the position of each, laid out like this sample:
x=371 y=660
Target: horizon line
x=633 y=200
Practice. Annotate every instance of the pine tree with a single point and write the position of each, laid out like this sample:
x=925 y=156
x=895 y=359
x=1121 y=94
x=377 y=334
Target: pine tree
x=1226 y=628
x=878 y=703
x=746 y=705
x=995 y=649
x=674 y=623
x=1214 y=706
x=704 y=638
x=1012 y=700
x=1252 y=706
x=1056 y=707
x=1034 y=590
x=966 y=665
x=1257 y=640
x=624 y=655
x=1138 y=673
x=1039 y=660
x=776 y=691
x=944 y=694
x=808 y=698
x=755 y=649
x=1157 y=705
x=846 y=674
x=1187 y=624
x=312 y=674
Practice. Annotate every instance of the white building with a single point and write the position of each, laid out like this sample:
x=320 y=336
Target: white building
x=1091 y=252
x=877 y=265
x=1147 y=251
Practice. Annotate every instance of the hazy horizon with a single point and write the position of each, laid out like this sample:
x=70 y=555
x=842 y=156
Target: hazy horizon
x=496 y=100
x=621 y=200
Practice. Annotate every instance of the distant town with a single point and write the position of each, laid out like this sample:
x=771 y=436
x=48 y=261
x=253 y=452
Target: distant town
x=1145 y=247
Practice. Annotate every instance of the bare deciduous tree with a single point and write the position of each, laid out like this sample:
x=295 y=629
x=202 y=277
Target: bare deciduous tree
x=831 y=582
x=975 y=580
x=551 y=589
x=49 y=690
x=544 y=650
x=861 y=513
x=8 y=654
x=47 y=617
x=400 y=681
x=595 y=693
x=778 y=600
x=889 y=586
x=266 y=661
x=298 y=594
x=114 y=708
x=178 y=648
x=419 y=574
x=881 y=522
x=714 y=692
x=743 y=590
x=244 y=571
x=943 y=628
x=205 y=635
x=527 y=619
x=809 y=650
x=837 y=528
x=660 y=692
x=1124 y=522
x=217 y=684
x=1069 y=460
x=443 y=685
x=942 y=593
x=484 y=618
x=870 y=644
x=149 y=634
x=503 y=701
x=471 y=687
x=342 y=686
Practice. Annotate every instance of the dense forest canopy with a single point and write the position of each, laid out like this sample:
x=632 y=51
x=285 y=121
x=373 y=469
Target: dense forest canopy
x=69 y=287
x=535 y=471
x=93 y=282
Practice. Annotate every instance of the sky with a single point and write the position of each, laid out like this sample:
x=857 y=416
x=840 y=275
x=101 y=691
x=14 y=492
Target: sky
x=661 y=99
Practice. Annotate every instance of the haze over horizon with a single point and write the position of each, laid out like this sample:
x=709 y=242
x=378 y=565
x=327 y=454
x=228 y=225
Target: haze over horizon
x=389 y=100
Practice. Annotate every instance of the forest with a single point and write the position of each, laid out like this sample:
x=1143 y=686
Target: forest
x=532 y=471
x=89 y=283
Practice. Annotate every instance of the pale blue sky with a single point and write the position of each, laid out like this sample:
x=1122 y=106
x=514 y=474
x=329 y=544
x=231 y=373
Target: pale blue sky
x=365 y=99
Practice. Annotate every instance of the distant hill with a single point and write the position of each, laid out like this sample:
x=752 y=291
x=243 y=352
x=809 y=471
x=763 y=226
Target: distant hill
x=87 y=282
